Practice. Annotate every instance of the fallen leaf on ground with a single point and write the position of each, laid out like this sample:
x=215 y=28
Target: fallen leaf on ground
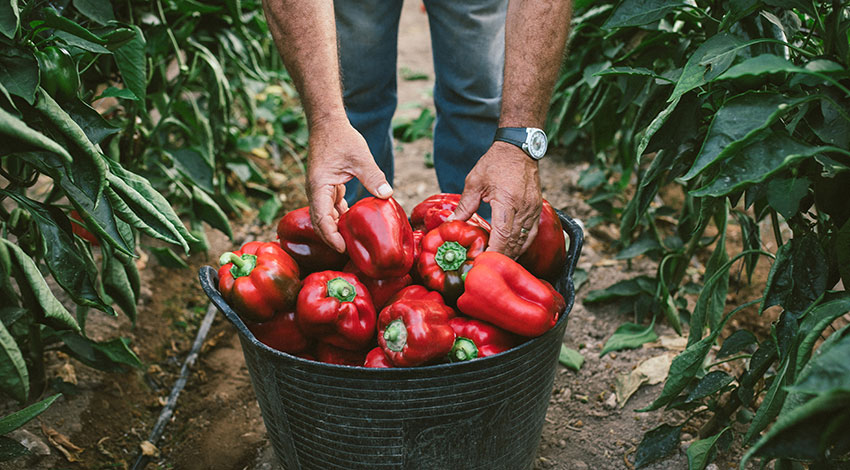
x=651 y=371
x=62 y=443
x=149 y=449
x=671 y=342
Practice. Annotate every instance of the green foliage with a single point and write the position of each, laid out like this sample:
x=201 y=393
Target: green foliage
x=742 y=108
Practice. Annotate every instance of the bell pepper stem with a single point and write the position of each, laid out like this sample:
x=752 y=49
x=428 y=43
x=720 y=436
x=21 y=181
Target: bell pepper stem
x=395 y=335
x=242 y=265
x=464 y=349
x=341 y=289
x=450 y=256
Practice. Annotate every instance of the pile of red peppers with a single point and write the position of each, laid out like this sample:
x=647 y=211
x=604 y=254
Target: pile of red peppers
x=407 y=292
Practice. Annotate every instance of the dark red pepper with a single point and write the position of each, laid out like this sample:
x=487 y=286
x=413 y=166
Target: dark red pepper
x=377 y=359
x=326 y=352
x=259 y=281
x=381 y=290
x=476 y=338
x=415 y=332
x=499 y=290
x=297 y=237
x=547 y=254
x=79 y=230
x=436 y=209
x=281 y=333
x=447 y=253
x=335 y=307
x=378 y=237
x=418 y=292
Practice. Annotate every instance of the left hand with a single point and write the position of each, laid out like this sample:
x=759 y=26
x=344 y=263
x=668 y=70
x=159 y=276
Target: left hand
x=508 y=179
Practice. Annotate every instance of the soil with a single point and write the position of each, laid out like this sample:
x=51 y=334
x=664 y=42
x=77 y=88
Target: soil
x=217 y=423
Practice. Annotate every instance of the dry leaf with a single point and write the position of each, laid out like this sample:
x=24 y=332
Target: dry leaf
x=62 y=443
x=651 y=371
x=671 y=342
x=149 y=449
x=67 y=373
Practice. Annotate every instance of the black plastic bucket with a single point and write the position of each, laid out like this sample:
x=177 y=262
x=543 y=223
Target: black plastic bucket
x=484 y=414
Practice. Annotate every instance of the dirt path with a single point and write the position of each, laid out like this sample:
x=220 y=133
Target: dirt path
x=217 y=424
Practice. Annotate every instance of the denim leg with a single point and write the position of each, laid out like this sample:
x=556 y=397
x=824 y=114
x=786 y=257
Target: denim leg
x=468 y=39
x=367 y=32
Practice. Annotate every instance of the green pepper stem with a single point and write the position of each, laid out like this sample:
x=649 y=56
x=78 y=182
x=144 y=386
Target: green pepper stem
x=450 y=256
x=341 y=289
x=242 y=265
x=395 y=335
x=464 y=349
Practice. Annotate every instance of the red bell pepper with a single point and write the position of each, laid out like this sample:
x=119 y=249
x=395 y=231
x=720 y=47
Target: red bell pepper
x=259 y=280
x=381 y=290
x=326 y=352
x=378 y=237
x=299 y=240
x=547 y=254
x=377 y=359
x=79 y=229
x=335 y=307
x=476 y=338
x=447 y=253
x=418 y=235
x=281 y=333
x=436 y=209
x=415 y=332
x=418 y=292
x=499 y=290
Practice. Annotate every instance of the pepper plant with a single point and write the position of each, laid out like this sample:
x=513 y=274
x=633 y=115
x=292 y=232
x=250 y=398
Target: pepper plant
x=741 y=107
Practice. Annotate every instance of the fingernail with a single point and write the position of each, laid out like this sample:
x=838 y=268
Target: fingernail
x=451 y=217
x=385 y=190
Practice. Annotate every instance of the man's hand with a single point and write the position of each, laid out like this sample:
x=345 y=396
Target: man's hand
x=508 y=179
x=338 y=153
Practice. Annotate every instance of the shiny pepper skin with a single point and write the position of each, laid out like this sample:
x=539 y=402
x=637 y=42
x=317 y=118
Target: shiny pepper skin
x=298 y=238
x=334 y=307
x=281 y=333
x=436 y=209
x=377 y=359
x=381 y=290
x=415 y=332
x=500 y=291
x=378 y=237
x=259 y=281
x=476 y=338
x=547 y=254
x=447 y=253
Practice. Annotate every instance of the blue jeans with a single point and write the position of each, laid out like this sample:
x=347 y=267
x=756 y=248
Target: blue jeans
x=468 y=40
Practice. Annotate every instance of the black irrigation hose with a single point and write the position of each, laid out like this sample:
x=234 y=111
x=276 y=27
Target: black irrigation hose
x=168 y=410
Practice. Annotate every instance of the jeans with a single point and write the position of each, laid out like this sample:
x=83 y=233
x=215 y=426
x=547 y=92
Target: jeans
x=468 y=43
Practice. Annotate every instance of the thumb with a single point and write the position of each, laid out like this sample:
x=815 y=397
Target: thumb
x=467 y=205
x=373 y=179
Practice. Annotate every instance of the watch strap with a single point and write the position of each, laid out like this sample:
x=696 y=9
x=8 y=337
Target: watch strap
x=512 y=135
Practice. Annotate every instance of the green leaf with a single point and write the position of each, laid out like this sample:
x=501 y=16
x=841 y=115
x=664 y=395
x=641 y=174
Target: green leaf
x=655 y=125
x=629 y=336
x=736 y=342
x=657 y=443
x=570 y=358
x=640 y=12
x=19 y=418
x=132 y=63
x=11 y=449
x=756 y=162
x=116 y=284
x=35 y=283
x=771 y=403
x=712 y=299
x=192 y=164
x=205 y=208
x=269 y=210
x=737 y=122
x=90 y=121
x=703 y=451
x=712 y=383
x=100 y=11
x=708 y=61
x=798 y=275
x=14 y=377
x=19 y=74
x=55 y=20
x=72 y=268
x=131 y=212
x=10 y=18
x=166 y=257
x=642 y=245
x=842 y=252
x=760 y=65
x=827 y=370
x=785 y=194
x=622 y=289
x=15 y=128
x=109 y=356
x=112 y=92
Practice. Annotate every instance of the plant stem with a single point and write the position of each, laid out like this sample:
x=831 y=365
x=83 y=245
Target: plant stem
x=38 y=380
x=774 y=222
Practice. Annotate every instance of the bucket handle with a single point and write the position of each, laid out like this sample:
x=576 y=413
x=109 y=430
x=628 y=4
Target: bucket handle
x=209 y=282
x=576 y=235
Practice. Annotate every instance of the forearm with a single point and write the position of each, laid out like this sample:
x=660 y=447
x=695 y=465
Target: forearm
x=305 y=35
x=535 y=37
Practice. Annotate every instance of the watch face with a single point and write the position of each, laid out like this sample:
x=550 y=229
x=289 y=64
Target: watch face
x=537 y=143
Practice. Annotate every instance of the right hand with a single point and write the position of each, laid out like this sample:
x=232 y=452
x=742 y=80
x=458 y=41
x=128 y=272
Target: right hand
x=337 y=153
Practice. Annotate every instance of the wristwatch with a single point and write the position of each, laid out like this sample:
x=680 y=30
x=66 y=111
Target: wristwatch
x=530 y=139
